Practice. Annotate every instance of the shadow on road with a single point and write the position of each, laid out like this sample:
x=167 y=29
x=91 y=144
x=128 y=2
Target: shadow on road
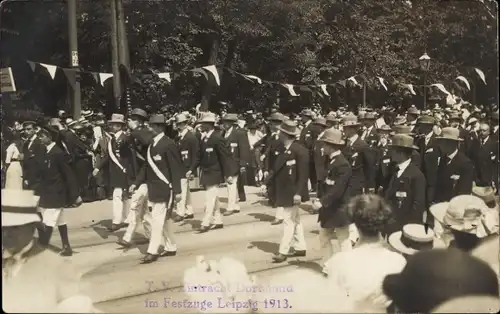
x=309 y=265
x=314 y=231
x=194 y=223
x=261 y=217
x=265 y=246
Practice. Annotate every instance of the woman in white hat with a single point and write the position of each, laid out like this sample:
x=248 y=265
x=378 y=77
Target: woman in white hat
x=34 y=280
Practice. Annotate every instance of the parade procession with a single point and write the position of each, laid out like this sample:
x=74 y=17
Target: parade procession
x=125 y=192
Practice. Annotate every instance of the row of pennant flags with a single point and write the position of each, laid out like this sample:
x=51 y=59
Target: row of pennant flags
x=292 y=88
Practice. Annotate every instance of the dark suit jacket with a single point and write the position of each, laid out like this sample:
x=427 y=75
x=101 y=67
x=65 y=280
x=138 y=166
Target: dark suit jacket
x=455 y=178
x=363 y=163
x=485 y=158
x=216 y=161
x=336 y=189
x=76 y=148
x=273 y=148
x=406 y=195
x=320 y=161
x=308 y=136
x=32 y=163
x=122 y=148
x=189 y=146
x=384 y=164
x=289 y=174
x=372 y=138
x=58 y=186
x=430 y=160
x=239 y=146
x=141 y=138
x=167 y=159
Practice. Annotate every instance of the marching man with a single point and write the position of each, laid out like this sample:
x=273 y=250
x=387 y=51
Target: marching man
x=119 y=163
x=162 y=174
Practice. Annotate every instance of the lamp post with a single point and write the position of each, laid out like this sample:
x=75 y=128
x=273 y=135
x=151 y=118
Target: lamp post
x=425 y=63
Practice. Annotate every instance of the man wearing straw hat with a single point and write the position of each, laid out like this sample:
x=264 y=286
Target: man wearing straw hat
x=406 y=190
x=162 y=173
x=289 y=174
x=456 y=171
x=332 y=217
x=119 y=163
x=217 y=166
x=189 y=147
x=360 y=157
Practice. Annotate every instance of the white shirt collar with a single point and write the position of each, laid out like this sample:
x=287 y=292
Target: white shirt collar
x=207 y=134
x=495 y=128
x=452 y=155
x=228 y=132
x=307 y=123
x=484 y=140
x=157 y=138
x=428 y=136
x=353 y=139
x=333 y=155
x=117 y=134
x=50 y=146
x=402 y=166
x=183 y=132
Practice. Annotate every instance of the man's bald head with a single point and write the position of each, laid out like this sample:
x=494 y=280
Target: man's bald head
x=484 y=129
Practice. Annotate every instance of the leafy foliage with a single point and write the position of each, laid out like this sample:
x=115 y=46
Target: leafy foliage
x=293 y=41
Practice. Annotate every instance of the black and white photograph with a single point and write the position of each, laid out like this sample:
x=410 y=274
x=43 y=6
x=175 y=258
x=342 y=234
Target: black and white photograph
x=250 y=156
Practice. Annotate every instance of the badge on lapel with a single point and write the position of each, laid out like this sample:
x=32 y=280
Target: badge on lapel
x=157 y=158
x=330 y=182
x=455 y=177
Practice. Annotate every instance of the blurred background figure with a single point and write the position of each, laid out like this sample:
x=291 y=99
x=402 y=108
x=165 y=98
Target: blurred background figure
x=12 y=165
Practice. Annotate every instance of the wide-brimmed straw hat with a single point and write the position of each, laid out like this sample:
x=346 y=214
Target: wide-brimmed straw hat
x=320 y=121
x=275 y=116
x=402 y=129
x=465 y=213
x=19 y=207
x=289 y=127
x=450 y=133
x=157 y=119
x=230 y=117
x=413 y=110
x=486 y=193
x=384 y=128
x=207 y=117
x=426 y=120
x=412 y=239
x=402 y=140
x=117 y=118
x=332 y=136
x=350 y=121
x=181 y=118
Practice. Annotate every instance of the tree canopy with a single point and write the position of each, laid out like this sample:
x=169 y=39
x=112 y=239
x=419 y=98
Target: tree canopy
x=290 y=41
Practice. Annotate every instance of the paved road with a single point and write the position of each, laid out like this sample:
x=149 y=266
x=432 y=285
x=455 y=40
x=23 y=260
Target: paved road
x=117 y=282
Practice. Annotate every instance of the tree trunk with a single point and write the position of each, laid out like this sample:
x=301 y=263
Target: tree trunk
x=212 y=53
x=223 y=94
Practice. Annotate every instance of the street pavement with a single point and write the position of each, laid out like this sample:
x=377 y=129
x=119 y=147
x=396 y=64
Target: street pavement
x=117 y=282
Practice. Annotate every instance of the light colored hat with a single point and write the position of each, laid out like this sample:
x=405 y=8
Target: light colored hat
x=402 y=140
x=320 y=121
x=117 y=118
x=181 y=117
x=469 y=304
x=465 y=213
x=426 y=120
x=472 y=120
x=401 y=129
x=307 y=113
x=350 y=120
x=54 y=121
x=157 y=119
x=19 y=207
x=450 y=133
x=411 y=239
x=332 y=136
x=371 y=116
x=207 y=117
x=486 y=193
x=289 y=127
x=413 y=110
x=384 y=128
x=275 y=116
x=232 y=117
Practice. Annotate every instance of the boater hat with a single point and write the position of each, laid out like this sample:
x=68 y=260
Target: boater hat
x=411 y=239
x=230 y=117
x=350 y=121
x=19 y=207
x=181 y=117
x=450 y=133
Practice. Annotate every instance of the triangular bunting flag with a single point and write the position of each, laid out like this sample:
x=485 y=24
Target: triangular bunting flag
x=50 y=68
x=463 y=79
x=32 y=65
x=481 y=75
x=290 y=89
x=212 y=69
x=95 y=75
x=165 y=76
x=71 y=76
x=410 y=88
x=352 y=79
x=104 y=76
x=381 y=80
x=323 y=89
x=255 y=78
x=200 y=71
x=441 y=88
x=343 y=83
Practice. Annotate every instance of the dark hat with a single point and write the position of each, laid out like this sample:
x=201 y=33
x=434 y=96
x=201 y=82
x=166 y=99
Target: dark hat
x=320 y=121
x=289 y=127
x=49 y=131
x=164 y=109
x=426 y=120
x=435 y=276
x=402 y=140
x=157 y=119
x=139 y=113
x=275 y=116
x=29 y=122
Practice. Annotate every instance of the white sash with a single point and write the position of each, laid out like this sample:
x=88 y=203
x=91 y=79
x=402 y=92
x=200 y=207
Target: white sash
x=155 y=169
x=139 y=156
x=113 y=157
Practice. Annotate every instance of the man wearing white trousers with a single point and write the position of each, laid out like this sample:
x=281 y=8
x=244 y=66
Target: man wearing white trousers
x=58 y=189
x=190 y=154
x=289 y=176
x=162 y=173
x=119 y=161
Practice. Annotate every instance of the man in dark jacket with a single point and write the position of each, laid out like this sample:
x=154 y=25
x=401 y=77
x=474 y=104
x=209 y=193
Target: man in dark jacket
x=33 y=153
x=333 y=219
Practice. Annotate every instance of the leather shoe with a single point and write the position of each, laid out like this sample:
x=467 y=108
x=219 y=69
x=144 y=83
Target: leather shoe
x=279 y=258
x=277 y=222
x=149 y=258
x=203 y=229
x=230 y=212
x=114 y=227
x=189 y=216
x=218 y=226
x=178 y=219
x=167 y=253
x=66 y=251
x=124 y=243
x=294 y=253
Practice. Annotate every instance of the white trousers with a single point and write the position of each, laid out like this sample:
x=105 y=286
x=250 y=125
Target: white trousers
x=334 y=240
x=184 y=206
x=212 y=207
x=138 y=207
x=53 y=217
x=232 y=195
x=293 y=231
x=279 y=213
x=161 y=229
x=120 y=206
